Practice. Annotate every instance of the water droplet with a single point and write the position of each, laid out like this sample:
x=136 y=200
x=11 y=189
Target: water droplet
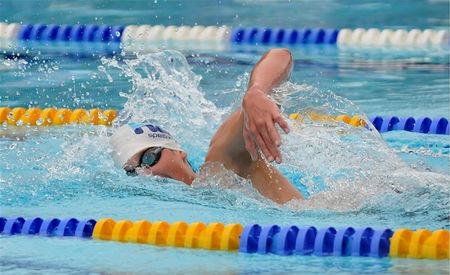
x=39 y=122
x=13 y=146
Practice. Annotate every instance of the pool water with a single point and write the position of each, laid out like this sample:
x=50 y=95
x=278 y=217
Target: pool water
x=352 y=177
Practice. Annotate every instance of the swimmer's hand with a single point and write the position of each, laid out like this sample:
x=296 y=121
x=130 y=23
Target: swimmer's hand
x=260 y=116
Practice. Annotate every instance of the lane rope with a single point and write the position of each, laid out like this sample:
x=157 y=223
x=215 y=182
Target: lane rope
x=424 y=125
x=55 y=117
x=21 y=116
x=358 y=37
x=251 y=238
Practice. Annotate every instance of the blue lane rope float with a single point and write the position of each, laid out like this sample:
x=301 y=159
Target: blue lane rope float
x=271 y=36
x=240 y=35
x=426 y=125
x=91 y=33
x=252 y=238
x=48 y=227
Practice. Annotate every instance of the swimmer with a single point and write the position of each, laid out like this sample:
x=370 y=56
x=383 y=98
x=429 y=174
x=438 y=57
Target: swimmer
x=146 y=149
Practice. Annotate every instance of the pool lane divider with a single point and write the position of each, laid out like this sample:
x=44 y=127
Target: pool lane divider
x=423 y=124
x=56 y=117
x=251 y=238
x=438 y=125
x=372 y=37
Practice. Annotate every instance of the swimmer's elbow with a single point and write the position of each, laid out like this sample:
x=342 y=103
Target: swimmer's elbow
x=281 y=53
x=286 y=199
x=295 y=196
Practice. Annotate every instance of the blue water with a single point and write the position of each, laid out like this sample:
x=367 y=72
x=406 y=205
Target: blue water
x=67 y=171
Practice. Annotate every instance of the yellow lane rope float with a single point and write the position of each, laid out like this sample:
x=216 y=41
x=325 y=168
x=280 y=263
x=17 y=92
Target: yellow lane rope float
x=356 y=121
x=213 y=236
x=20 y=116
x=52 y=116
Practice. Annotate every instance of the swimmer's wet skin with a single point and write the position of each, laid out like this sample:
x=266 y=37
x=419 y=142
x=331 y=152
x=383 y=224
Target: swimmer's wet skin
x=234 y=145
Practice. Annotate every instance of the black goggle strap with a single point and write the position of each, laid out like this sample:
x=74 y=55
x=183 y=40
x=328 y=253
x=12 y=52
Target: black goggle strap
x=191 y=166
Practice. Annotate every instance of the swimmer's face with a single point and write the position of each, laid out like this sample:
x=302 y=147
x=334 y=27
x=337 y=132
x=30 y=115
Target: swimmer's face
x=172 y=164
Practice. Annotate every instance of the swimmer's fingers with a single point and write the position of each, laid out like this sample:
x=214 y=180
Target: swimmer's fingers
x=283 y=123
x=274 y=136
x=270 y=142
x=259 y=132
x=263 y=147
x=249 y=144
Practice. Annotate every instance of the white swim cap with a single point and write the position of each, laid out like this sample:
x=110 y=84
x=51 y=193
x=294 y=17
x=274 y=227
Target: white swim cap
x=133 y=138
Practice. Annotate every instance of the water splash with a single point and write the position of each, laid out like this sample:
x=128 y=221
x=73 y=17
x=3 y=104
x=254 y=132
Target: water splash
x=343 y=168
x=165 y=91
x=346 y=168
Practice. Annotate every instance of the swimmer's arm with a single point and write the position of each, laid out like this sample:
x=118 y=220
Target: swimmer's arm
x=260 y=113
x=271 y=183
x=227 y=147
x=271 y=70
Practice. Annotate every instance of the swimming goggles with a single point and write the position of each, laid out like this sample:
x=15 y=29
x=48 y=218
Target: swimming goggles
x=149 y=158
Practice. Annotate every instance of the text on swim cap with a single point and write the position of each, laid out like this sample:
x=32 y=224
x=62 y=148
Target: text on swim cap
x=152 y=128
x=160 y=135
